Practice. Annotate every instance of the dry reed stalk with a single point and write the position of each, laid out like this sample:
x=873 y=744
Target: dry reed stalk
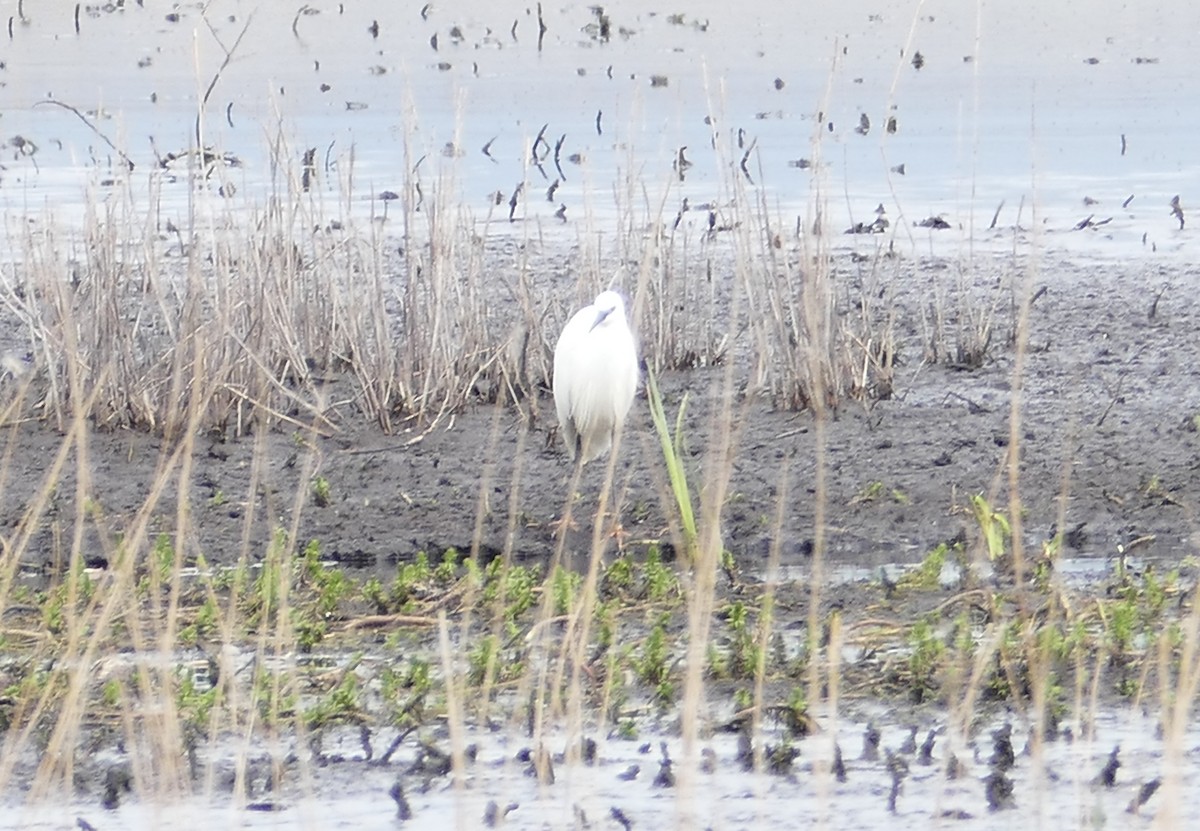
x=156 y=727
x=274 y=300
x=766 y=618
x=700 y=582
x=576 y=640
x=454 y=709
x=231 y=713
x=1176 y=705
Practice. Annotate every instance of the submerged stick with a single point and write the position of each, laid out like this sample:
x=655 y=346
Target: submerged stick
x=229 y=53
x=996 y=215
x=125 y=159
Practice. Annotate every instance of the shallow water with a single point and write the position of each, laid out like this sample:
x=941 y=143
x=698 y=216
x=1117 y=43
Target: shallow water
x=1014 y=103
x=1074 y=573
x=1061 y=788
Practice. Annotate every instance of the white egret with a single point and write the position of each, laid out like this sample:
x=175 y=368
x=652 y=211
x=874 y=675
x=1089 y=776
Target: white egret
x=595 y=376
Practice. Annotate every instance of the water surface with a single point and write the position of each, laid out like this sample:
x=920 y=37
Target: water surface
x=1039 y=108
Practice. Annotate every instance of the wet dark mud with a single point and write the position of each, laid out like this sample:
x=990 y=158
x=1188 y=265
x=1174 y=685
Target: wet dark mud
x=1105 y=424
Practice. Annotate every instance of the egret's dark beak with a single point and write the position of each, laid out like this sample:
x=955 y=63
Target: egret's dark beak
x=600 y=316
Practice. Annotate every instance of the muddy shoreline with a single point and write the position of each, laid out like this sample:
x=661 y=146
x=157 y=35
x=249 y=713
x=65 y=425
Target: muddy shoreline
x=1106 y=420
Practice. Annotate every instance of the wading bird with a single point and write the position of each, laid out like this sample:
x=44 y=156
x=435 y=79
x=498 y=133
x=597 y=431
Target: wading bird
x=595 y=376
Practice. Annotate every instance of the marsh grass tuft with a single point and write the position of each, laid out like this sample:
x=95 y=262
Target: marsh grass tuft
x=672 y=450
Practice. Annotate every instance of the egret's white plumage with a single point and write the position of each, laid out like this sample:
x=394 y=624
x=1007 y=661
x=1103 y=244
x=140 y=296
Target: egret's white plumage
x=595 y=376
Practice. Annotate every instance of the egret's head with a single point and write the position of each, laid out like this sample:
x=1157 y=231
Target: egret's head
x=607 y=304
